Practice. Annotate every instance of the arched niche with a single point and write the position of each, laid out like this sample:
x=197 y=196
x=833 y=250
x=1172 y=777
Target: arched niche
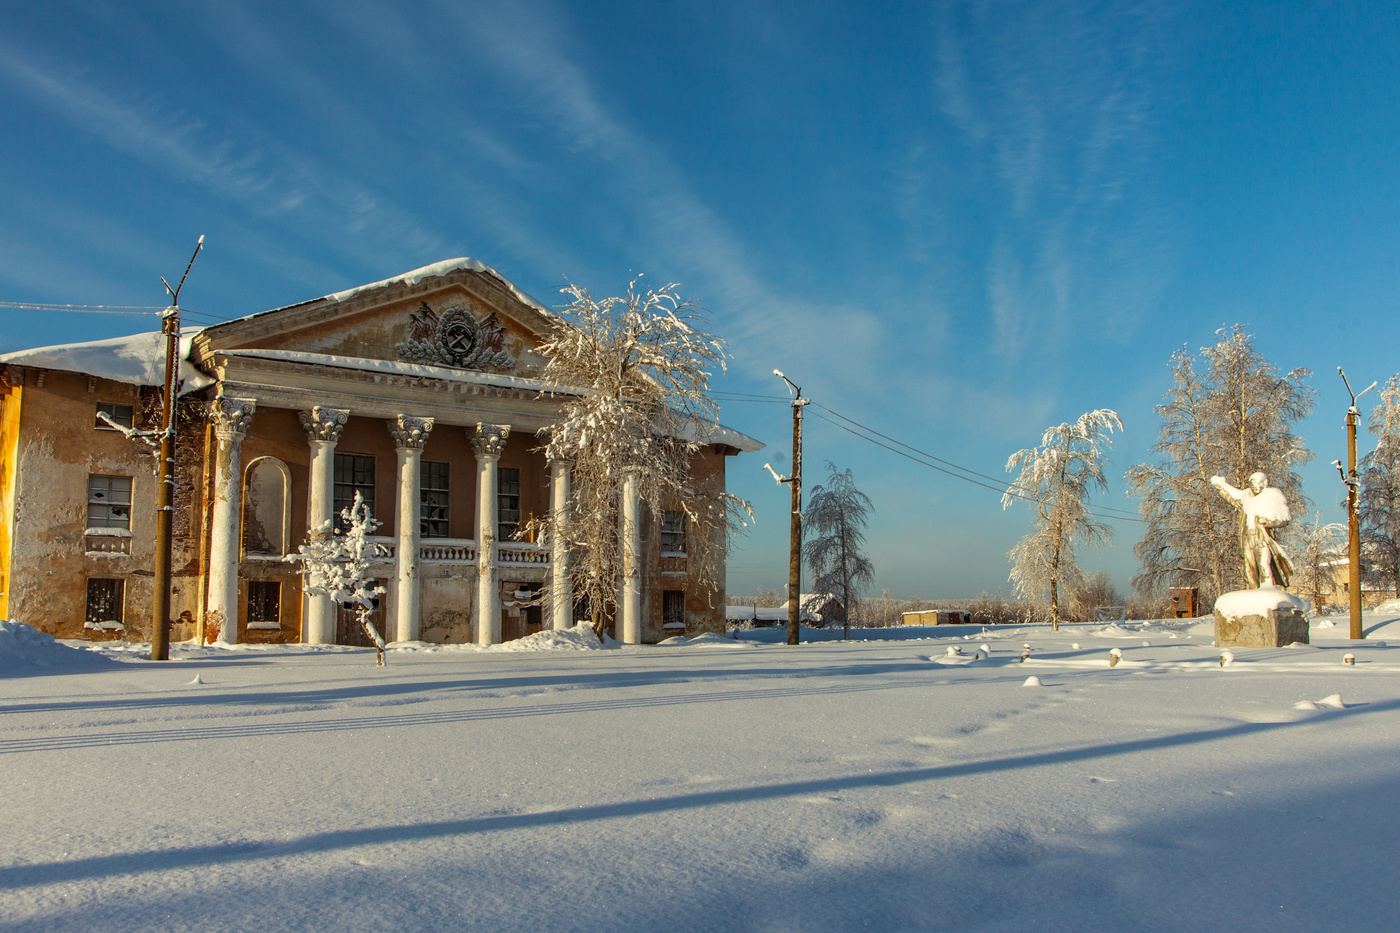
x=267 y=494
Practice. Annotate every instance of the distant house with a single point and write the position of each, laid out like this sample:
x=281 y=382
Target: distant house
x=1335 y=588
x=937 y=617
x=816 y=609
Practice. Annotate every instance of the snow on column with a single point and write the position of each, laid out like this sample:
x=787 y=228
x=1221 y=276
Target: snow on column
x=322 y=427
x=561 y=590
x=489 y=440
x=230 y=417
x=410 y=434
x=631 y=599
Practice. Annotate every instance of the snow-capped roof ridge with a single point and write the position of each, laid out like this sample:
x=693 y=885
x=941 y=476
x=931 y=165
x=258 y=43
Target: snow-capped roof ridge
x=436 y=270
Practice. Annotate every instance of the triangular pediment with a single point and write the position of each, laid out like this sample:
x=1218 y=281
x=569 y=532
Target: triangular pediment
x=458 y=314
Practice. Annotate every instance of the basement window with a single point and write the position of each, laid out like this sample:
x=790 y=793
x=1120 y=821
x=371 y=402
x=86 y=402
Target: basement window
x=104 y=603
x=264 y=604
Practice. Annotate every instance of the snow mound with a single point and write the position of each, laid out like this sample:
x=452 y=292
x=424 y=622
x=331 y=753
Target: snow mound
x=1032 y=681
x=23 y=646
x=1255 y=602
x=1390 y=605
x=705 y=638
x=579 y=638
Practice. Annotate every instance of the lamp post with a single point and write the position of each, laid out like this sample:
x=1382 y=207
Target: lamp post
x=165 y=470
x=1353 y=523
x=795 y=537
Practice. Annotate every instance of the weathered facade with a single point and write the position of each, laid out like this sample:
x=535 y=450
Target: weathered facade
x=422 y=393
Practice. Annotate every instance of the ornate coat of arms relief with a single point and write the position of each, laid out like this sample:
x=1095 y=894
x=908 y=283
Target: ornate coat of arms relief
x=456 y=338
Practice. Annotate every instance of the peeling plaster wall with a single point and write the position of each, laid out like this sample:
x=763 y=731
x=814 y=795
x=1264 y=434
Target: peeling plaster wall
x=704 y=605
x=59 y=447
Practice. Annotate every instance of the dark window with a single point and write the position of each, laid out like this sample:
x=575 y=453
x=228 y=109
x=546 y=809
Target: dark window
x=673 y=607
x=121 y=414
x=353 y=474
x=104 y=603
x=673 y=533
x=508 y=503
x=433 y=513
x=109 y=502
x=264 y=602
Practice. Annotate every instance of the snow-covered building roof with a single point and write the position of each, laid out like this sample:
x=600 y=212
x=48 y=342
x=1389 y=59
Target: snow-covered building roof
x=136 y=360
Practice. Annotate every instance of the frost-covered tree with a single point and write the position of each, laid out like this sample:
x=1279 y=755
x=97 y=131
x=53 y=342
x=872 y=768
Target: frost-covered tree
x=1230 y=413
x=338 y=566
x=634 y=373
x=1092 y=592
x=1378 y=500
x=1056 y=480
x=834 y=546
x=1314 y=547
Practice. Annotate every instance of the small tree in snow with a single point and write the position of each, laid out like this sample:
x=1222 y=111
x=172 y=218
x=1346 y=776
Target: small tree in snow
x=834 y=528
x=1315 y=547
x=1378 y=502
x=337 y=565
x=635 y=371
x=1056 y=479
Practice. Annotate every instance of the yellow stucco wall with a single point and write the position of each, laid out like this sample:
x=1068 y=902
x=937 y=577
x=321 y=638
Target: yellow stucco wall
x=9 y=439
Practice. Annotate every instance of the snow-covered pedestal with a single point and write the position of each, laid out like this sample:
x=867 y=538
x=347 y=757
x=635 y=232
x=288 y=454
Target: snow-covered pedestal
x=1266 y=617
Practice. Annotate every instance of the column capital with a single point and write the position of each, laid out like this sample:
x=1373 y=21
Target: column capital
x=231 y=416
x=409 y=432
x=489 y=439
x=323 y=424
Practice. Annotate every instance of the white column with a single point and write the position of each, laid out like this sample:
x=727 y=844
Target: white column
x=630 y=602
x=410 y=434
x=323 y=427
x=231 y=417
x=561 y=588
x=489 y=440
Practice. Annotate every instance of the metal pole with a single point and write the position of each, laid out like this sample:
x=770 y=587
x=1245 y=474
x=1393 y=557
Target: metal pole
x=1353 y=527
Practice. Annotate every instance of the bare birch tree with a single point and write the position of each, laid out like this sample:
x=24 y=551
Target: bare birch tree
x=634 y=373
x=834 y=529
x=338 y=566
x=1378 y=502
x=1056 y=480
x=1231 y=415
x=1315 y=547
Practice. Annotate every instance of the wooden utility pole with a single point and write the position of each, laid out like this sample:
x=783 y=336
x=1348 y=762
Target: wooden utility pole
x=165 y=470
x=1353 y=522
x=794 y=600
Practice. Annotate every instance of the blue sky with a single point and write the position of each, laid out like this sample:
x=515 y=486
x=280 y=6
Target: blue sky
x=955 y=223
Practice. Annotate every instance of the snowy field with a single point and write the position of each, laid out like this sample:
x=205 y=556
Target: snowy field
x=876 y=784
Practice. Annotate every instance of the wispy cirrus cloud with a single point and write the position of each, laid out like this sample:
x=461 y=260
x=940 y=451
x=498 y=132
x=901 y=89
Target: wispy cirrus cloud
x=1056 y=100
x=223 y=155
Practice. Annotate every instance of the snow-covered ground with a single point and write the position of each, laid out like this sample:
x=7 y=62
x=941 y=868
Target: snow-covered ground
x=881 y=783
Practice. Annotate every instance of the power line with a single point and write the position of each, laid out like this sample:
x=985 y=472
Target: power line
x=80 y=309
x=1000 y=483
x=1003 y=488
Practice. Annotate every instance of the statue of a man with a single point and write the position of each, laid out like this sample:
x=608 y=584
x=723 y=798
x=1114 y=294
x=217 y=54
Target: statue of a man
x=1264 y=508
